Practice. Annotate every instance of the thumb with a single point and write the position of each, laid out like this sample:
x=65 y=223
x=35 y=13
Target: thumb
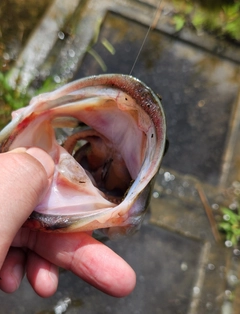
x=24 y=178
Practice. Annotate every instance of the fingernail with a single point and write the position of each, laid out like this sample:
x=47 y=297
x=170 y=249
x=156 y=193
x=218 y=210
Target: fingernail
x=43 y=158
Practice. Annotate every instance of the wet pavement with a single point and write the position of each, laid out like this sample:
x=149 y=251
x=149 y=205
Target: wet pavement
x=198 y=90
x=181 y=261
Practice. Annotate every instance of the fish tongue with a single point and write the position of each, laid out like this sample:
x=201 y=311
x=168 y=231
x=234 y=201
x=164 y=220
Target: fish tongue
x=72 y=191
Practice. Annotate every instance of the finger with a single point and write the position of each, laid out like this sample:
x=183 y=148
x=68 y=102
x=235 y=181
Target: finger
x=42 y=275
x=13 y=270
x=23 y=181
x=86 y=257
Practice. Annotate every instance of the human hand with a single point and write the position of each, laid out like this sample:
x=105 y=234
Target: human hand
x=24 y=178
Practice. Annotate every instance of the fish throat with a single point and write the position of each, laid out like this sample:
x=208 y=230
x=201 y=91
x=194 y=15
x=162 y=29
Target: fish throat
x=102 y=162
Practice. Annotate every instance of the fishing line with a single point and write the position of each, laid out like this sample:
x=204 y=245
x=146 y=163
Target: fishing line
x=151 y=27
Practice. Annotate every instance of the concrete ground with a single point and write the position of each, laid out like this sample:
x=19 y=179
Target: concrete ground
x=182 y=263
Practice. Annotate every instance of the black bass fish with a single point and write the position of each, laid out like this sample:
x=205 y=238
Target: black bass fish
x=104 y=170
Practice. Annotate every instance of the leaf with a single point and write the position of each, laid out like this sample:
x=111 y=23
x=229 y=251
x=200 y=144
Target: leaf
x=198 y=20
x=108 y=46
x=179 y=22
x=232 y=28
x=236 y=231
x=233 y=217
x=225 y=226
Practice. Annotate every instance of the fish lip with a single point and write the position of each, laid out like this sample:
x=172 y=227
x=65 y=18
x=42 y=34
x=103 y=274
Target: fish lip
x=47 y=222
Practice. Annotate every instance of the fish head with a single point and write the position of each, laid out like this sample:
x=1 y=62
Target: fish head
x=106 y=135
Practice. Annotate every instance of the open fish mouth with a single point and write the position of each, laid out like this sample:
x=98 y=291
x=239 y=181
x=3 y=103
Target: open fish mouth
x=106 y=135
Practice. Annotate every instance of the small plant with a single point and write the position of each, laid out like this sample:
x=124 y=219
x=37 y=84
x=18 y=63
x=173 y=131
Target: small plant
x=12 y=99
x=231 y=225
x=222 y=20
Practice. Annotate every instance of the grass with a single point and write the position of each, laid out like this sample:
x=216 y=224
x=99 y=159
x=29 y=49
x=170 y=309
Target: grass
x=222 y=20
x=230 y=225
x=12 y=99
